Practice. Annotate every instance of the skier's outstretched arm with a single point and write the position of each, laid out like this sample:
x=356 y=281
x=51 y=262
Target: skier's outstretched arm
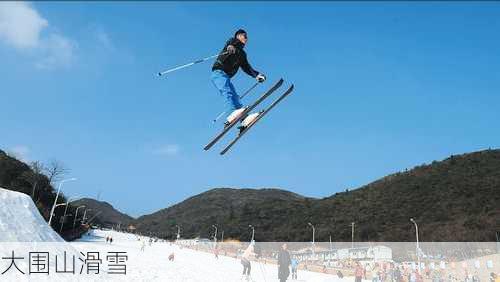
x=247 y=67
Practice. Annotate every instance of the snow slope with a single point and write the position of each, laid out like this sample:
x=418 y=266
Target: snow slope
x=152 y=264
x=20 y=220
x=23 y=232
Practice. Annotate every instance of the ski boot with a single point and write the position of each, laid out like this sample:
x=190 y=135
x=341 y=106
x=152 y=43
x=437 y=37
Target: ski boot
x=233 y=116
x=249 y=120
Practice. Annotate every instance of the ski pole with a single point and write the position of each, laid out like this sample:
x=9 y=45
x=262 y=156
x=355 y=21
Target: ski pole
x=190 y=64
x=241 y=97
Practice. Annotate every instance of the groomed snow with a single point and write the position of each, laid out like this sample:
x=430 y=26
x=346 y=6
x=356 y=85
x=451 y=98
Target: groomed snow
x=152 y=264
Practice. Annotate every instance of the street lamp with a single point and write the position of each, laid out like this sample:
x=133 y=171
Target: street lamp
x=57 y=196
x=58 y=205
x=352 y=235
x=313 y=229
x=76 y=215
x=418 y=248
x=66 y=209
x=253 y=232
x=85 y=214
x=92 y=218
x=178 y=232
x=215 y=235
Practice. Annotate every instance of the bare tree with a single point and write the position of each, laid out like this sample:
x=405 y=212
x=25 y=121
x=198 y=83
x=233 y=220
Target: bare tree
x=55 y=171
x=37 y=167
x=33 y=176
x=32 y=179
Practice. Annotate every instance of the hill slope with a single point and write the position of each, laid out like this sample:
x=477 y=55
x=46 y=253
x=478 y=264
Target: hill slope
x=456 y=199
x=106 y=214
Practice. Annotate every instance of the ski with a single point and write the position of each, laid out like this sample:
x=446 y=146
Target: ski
x=246 y=111
x=288 y=91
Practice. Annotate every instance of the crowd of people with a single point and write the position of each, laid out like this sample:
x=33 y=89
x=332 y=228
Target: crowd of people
x=396 y=272
x=383 y=271
x=288 y=266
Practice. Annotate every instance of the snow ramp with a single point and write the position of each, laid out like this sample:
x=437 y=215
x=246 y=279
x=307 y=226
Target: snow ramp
x=20 y=220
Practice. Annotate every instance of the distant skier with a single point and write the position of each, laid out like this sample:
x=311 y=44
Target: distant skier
x=245 y=260
x=295 y=265
x=283 y=263
x=230 y=59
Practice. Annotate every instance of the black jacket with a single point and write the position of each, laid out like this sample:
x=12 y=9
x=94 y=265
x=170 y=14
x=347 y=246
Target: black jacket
x=283 y=263
x=230 y=63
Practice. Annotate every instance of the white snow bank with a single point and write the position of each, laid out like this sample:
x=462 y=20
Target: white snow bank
x=20 y=220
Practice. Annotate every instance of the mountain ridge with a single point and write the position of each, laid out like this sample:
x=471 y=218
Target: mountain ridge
x=453 y=199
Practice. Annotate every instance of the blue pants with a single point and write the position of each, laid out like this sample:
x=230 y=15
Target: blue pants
x=223 y=83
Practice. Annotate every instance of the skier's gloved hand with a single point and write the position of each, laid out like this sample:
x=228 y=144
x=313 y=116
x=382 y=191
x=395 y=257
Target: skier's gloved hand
x=231 y=49
x=260 y=77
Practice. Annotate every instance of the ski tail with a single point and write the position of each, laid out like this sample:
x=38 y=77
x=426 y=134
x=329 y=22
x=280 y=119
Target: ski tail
x=283 y=96
x=247 y=110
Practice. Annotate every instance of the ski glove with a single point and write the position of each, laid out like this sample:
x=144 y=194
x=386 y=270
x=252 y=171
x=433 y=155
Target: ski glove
x=231 y=49
x=260 y=77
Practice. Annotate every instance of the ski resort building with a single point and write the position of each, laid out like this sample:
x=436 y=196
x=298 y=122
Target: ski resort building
x=374 y=253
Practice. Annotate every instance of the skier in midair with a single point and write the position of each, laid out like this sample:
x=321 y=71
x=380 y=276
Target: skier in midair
x=230 y=59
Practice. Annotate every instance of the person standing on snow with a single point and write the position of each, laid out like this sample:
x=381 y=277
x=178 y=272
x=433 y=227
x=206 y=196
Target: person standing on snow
x=358 y=272
x=295 y=265
x=283 y=263
x=230 y=59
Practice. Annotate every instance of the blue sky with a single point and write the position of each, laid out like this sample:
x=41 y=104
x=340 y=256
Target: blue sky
x=379 y=87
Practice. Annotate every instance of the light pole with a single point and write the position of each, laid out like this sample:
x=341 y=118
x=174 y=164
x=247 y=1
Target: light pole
x=215 y=235
x=85 y=214
x=253 y=232
x=57 y=196
x=66 y=209
x=418 y=248
x=352 y=235
x=314 y=231
x=222 y=239
x=76 y=215
x=95 y=215
x=58 y=205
